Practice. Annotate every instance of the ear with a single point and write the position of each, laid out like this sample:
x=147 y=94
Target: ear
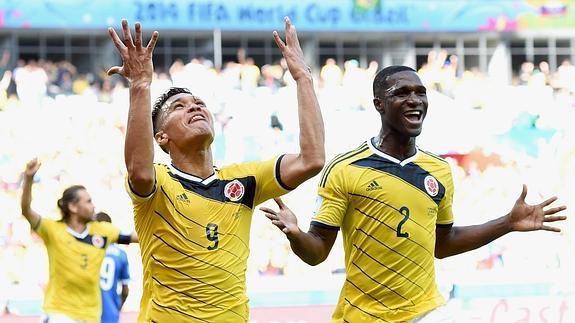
x=378 y=104
x=161 y=138
x=73 y=207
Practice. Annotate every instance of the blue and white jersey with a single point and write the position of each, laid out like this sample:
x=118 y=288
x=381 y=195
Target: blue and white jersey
x=113 y=274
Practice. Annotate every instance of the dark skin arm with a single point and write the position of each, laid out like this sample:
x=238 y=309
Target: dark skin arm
x=312 y=247
x=523 y=217
x=124 y=295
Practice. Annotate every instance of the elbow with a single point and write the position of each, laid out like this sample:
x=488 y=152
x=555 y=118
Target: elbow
x=139 y=178
x=314 y=165
x=441 y=254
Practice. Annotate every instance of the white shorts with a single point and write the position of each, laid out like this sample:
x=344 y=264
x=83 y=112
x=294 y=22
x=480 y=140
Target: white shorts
x=60 y=318
x=439 y=315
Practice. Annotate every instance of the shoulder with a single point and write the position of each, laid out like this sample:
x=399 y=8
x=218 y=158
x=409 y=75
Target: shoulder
x=342 y=160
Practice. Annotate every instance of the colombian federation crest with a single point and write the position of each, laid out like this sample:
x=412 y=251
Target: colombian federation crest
x=431 y=185
x=234 y=190
x=98 y=241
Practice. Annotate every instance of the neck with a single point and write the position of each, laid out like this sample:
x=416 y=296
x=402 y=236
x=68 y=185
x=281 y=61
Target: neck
x=395 y=146
x=76 y=224
x=198 y=162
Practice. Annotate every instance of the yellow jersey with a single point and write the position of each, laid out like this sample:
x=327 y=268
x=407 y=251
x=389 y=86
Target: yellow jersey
x=75 y=260
x=387 y=211
x=194 y=237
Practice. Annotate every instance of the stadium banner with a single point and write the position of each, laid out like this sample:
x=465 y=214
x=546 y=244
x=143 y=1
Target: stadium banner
x=307 y=15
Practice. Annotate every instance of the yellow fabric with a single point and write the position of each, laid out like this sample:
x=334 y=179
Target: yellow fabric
x=194 y=242
x=74 y=283
x=389 y=255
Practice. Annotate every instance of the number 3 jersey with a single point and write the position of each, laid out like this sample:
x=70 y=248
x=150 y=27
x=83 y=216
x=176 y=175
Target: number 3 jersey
x=194 y=239
x=387 y=211
x=75 y=260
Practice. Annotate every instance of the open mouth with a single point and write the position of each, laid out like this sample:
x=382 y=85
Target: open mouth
x=195 y=118
x=413 y=116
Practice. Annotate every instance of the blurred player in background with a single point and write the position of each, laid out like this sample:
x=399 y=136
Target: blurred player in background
x=193 y=219
x=76 y=247
x=114 y=276
x=393 y=204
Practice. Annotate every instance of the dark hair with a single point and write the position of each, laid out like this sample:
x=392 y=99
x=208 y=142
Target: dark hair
x=69 y=196
x=103 y=217
x=380 y=80
x=157 y=109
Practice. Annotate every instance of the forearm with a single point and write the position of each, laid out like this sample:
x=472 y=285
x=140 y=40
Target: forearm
x=26 y=201
x=311 y=137
x=139 y=146
x=308 y=247
x=463 y=239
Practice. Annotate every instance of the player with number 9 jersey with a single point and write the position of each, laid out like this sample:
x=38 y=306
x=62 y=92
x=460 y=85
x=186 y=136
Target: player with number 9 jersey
x=387 y=211
x=194 y=238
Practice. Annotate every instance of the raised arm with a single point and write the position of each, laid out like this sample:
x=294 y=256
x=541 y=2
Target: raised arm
x=523 y=217
x=312 y=247
x=26 y=199
x=137 y=68
x=297 y=168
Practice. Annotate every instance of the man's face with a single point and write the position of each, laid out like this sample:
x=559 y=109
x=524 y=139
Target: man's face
x=83 y=207
x=186 y=120
x=403 y=104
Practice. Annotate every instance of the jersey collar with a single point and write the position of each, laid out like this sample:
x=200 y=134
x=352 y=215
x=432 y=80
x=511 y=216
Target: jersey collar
x=81 y=235
x=194 y=178
x=391 y=158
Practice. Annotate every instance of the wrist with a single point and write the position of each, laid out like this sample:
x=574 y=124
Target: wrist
x=140 y=85
x=293 y=235
x=508 y=223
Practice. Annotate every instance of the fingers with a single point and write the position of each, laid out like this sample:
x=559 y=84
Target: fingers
x=280 y=203
x=117 y=42
x=548 y=201
x=138 y=40
x=291 y=34
x=279 y=42
x=523 y=193
x=127 y=34
x=554 y=218
x=552 y=229
x=153 y=41
x=114 y=70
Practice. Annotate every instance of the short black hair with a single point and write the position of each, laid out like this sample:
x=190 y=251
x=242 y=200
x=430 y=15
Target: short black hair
x=103 y=217
x=157 y=109
x=380 y=80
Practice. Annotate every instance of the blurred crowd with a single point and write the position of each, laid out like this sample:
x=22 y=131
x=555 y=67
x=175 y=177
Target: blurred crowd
x=496 y=136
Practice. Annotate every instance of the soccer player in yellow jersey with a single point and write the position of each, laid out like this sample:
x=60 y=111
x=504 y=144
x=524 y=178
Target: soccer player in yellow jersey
x=76 y=247
x=193 y=219
x=393 y=204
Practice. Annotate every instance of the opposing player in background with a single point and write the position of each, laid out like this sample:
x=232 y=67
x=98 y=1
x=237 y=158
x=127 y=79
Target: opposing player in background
x=193 y=219
x=114 y=276
x=76 y=247
x=393 y=204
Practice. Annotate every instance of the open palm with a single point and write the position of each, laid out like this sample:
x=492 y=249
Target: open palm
x=525 y=217
x=284 y=219
x=137 y=60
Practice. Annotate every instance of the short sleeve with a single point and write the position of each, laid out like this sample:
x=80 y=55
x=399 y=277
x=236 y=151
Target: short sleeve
x=45 y=229
x=445 y=211
x=332 y=199
x=108 y=230
x=160 y=174
x=267 y=177
x=125 y=269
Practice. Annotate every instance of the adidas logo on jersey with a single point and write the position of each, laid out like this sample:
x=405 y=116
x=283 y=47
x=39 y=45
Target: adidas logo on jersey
x=183 y=198
x=373 y=186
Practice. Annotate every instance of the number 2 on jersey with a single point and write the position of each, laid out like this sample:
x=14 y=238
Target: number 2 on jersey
x=405 y=212
x=212 y=235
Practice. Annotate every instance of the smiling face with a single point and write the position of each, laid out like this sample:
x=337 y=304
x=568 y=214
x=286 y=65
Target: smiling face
x=185 y=121
x=402 y=104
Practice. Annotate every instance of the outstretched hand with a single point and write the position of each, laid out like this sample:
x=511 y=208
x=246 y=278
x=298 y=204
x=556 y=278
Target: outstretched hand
x=284 y=219
x=31 y=168
x=137 y=60
x=292 y=52
x=525 y=217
